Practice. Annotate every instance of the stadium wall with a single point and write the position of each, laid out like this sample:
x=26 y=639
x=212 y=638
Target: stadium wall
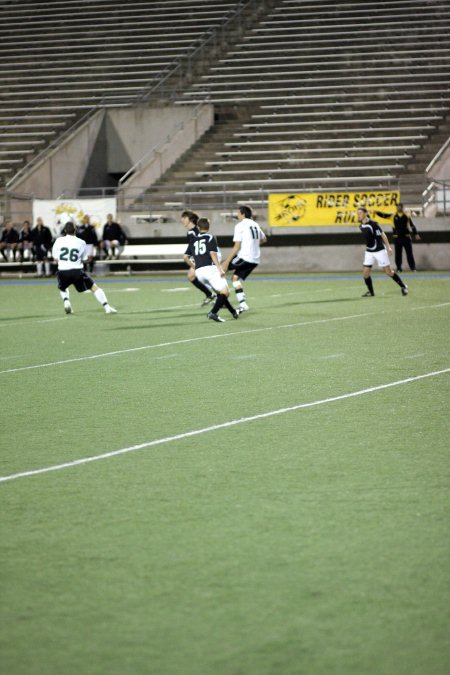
x=319 y=249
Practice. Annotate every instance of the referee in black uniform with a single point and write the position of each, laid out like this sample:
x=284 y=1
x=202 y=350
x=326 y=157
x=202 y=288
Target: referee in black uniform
x=403 y=229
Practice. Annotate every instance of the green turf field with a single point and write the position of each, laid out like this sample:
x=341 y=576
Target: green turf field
x=267 y=496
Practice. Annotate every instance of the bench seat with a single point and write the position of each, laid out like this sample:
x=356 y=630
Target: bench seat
x=151 y=252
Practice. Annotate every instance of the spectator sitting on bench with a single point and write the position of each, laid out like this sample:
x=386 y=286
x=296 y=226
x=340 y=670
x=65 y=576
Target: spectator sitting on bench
x=9 y=241
x=113 y=238
x=25 y=245
x=42 y=247
x=86 y=232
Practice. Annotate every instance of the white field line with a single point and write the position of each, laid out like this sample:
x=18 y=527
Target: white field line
x=27 y=322
x=205 y=337
x=216 y=427
x=180 y=342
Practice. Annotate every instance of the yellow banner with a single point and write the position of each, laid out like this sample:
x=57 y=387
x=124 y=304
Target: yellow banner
x=328 y=208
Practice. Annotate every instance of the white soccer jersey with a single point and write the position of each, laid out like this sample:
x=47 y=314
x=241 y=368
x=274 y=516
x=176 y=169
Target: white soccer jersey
x=69 y=251
x=249 y=233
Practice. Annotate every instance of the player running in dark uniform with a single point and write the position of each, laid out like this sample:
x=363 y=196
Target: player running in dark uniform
x=190 y=220
x=203 y=254
x=377 y=249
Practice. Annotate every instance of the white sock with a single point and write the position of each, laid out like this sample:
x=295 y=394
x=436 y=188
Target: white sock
x=101 y=297
x=65 y=295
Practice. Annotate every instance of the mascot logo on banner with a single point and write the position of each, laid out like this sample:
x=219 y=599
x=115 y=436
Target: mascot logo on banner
x=290 y=209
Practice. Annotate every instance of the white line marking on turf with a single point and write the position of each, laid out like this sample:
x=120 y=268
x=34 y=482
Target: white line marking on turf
x=415 y=356
x=197 y=339
x=22 y=322
x=216 y=427
x=442 y=304
x=123 y=290
x=180 y=342
x=175 y=290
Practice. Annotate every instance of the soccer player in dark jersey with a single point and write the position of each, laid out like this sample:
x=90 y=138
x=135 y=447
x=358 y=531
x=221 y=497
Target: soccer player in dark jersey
x=190 y=220
x=203 y=254
x=377 y=249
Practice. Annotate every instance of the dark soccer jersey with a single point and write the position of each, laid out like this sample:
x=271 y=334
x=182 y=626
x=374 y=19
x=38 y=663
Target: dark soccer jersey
x=190 y=234
x=200 y=247
x=372 y=234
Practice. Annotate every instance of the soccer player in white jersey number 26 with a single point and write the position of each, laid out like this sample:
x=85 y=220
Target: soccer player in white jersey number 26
x=69 y=251
x=245 y=254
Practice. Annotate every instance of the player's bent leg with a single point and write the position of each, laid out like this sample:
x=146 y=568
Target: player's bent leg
x=102 y=299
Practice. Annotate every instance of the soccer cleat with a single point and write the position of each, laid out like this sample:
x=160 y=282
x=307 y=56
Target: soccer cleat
x=215 y=317
x=68 y=308
x=208 y=300
x=236 y=313
x=405 y=290
x=368 y=294
x=243 y=307
x=110 y=310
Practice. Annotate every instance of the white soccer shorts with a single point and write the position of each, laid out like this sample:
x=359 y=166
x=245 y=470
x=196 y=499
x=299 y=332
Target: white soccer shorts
x=210 y=275
x=380 y=257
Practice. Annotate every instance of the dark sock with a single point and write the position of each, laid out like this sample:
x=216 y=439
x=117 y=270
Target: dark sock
x=228 y=305
x=218 y=303
x=397 y=280
x=201 y=287
x=369 y=284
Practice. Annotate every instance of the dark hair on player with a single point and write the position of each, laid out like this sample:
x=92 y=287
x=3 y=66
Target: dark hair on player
x=203 y=224
x=69 y=228
x=193 y=217
x=246 y=211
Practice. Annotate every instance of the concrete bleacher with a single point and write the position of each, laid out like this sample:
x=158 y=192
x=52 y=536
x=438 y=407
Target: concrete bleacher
x=62 y=58
x=307 y=94
x=329 y=93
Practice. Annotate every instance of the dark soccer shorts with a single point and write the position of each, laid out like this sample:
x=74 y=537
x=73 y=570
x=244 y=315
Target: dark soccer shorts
x=78 y=278
x=242 y=268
